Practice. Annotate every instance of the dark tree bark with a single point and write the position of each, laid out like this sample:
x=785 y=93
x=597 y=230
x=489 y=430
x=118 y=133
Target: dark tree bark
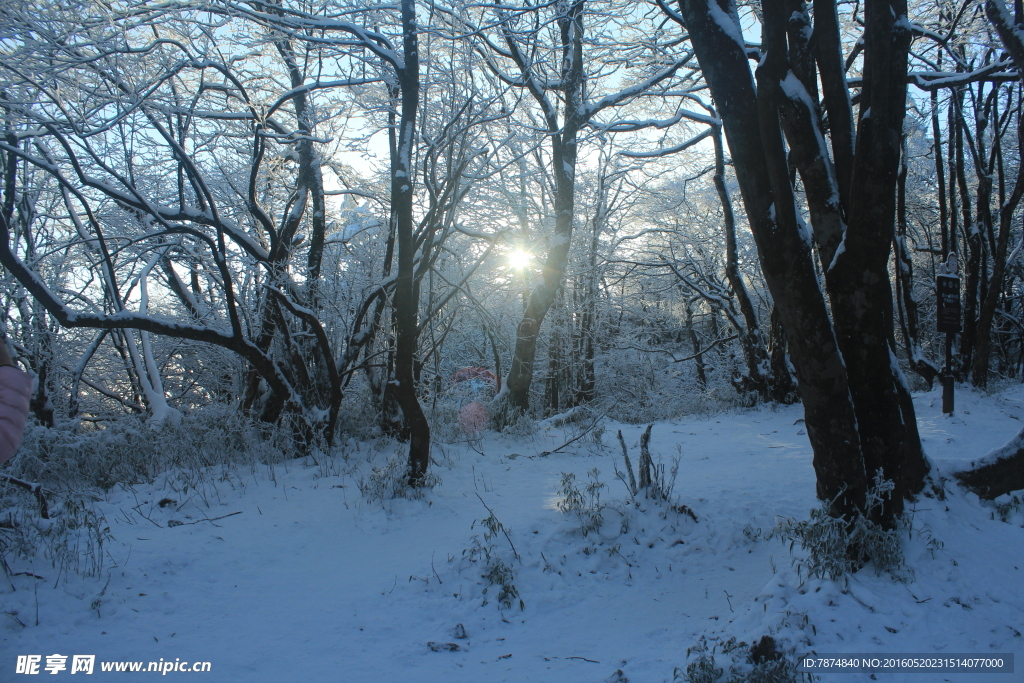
x=982 y=233
x=856 y=416
x=858 y=280
x=940 y=171
x=761 y=171
x=1008 y=30
x=994 y=290
x=783 y=387
x=406 y=304
x=972 y=240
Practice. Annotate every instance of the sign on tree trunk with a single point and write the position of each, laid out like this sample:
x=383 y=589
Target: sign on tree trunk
x=947 y=289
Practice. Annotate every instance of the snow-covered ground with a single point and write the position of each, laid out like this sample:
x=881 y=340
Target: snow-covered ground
x=311 y=582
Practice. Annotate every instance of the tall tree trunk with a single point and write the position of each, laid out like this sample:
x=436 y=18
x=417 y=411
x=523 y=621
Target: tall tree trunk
x=588 y=328
x=971 y=236
x=755 y=355
x=856 y=415
x=906 y=305
x=590 y=292
x=940 y=171
x=309 y=188
x=986 y=314
x=858 y=278
x=698 y=357
x=564 y=144
x=556 y=360
x=755 y=140
x=406 y=303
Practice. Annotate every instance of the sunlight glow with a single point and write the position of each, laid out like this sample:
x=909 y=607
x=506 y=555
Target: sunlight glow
x=520 y=259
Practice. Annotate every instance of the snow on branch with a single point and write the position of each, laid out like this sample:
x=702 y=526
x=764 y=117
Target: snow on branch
x=1010 y=32
x=625 y=125
x=636 y=89
x=997 y=72
x=669 y=150
x=305 y=25
x=932 y=80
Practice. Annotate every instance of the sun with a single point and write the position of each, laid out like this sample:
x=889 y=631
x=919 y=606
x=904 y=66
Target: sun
x=520 y=259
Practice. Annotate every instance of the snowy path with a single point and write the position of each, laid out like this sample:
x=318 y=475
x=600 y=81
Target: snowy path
x=311 y=583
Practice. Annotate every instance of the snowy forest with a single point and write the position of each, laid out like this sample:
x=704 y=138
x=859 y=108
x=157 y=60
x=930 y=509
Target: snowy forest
x=556 y=310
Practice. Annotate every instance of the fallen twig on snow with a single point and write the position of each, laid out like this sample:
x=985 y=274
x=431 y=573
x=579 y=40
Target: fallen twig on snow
x=205 y=519
x=35 y=489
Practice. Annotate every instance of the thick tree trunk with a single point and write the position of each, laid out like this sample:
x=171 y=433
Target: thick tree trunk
x=828 y=52
x=858 y=279
x=755 y=140
x=849 y=249
x=857 y=413
x=520 y=375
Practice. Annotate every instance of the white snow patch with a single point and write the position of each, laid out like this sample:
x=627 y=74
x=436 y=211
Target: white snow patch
x=727 y=23
x=841 y=249
x=312 y=583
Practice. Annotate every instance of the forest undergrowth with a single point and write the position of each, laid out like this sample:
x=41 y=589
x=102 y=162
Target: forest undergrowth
x=76 y=464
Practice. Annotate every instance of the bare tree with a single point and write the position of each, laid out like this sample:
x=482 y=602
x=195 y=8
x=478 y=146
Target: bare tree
x=546 y=52
x=859 y=416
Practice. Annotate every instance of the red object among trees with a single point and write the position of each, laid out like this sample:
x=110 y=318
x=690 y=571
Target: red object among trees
x=467 y=374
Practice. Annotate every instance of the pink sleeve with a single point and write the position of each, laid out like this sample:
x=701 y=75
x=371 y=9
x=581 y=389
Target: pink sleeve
x=15 y=392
